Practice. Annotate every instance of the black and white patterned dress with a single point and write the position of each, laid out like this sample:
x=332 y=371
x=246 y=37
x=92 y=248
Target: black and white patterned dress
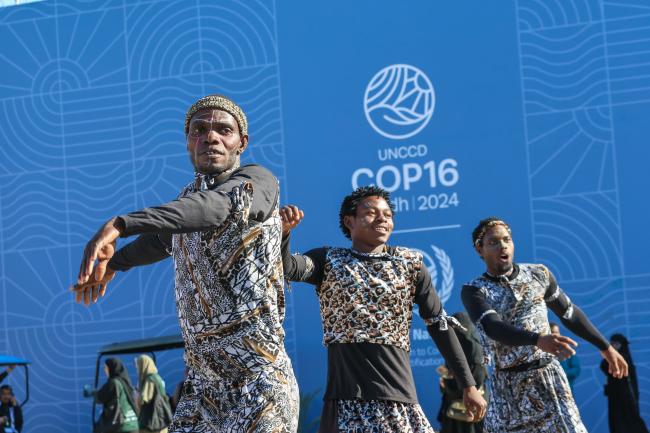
x=366 y=305
x=535 y=399
x=230 y=301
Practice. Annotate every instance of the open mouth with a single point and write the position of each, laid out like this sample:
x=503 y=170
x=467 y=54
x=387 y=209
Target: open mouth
x=381 y=229
x=504 y=258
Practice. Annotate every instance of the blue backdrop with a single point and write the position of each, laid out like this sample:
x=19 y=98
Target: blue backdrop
x=533 y=111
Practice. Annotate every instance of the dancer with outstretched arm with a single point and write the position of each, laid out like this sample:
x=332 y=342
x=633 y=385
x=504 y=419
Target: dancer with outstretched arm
x=224 y=234
x=509 y=303
x=366 y=294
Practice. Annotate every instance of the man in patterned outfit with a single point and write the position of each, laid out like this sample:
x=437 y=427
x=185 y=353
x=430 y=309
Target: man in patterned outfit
x=509 y=303
x=366 y=296
x=224 y=234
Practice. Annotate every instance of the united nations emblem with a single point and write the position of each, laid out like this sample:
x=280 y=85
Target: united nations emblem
x=442 y=273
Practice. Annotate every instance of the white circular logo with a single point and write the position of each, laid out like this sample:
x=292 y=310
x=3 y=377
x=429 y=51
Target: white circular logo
x=399 y=101
x=446 y=272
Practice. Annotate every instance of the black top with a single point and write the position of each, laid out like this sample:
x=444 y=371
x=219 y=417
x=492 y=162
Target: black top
x=5 y=411
x=370 y=371
x=198 y=211
x=503 y=332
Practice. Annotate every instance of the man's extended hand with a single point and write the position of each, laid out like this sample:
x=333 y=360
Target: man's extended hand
x=93 y=279
x=474 y=403
x=617 y=364
x=557 y=345
x=291 y=217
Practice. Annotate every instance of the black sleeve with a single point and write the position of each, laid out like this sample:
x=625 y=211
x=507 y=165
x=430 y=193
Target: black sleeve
x=18 y=412
x=3 y=375
x=438 y=327
x=308 y=267
x=571 y=315
x=205 y=209
x=107 y=393
x=495 y=328
x=145 y=250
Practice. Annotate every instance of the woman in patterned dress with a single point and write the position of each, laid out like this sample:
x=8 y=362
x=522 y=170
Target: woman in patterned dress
x=509 y=303
x=366 y=294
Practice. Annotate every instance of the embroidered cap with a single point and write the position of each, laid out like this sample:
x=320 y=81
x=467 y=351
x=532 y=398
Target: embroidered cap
x=218 y=102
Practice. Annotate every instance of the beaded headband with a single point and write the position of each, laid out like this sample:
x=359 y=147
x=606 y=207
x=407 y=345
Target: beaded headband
x=218 y=102
x=488 y=226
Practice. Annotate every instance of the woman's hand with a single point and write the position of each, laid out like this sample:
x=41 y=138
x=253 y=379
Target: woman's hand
x=474 y=402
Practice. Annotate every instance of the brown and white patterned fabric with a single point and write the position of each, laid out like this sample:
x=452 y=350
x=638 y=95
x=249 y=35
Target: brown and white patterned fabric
x=378 y=416
x=533 y=401
x=230 y=302
x=368 y=301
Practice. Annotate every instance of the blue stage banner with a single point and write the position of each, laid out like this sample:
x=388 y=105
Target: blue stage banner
x=530 y=111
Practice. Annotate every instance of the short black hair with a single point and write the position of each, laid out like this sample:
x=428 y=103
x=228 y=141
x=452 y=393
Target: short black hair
x=553 y=324
x=479 y=230
x=351 y=202
x=3 y=387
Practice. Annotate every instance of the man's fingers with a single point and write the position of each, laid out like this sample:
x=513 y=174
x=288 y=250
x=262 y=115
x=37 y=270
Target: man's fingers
x=102 y=289
x=100 y=270
x=95 y=293
x=86 y=292
x=78 y=296
x=87 y=264
x=565 y=348
x=567 y=340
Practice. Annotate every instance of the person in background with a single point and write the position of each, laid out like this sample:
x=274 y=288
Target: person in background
x=11 y=415
x=5 y=373
x=623 y=393
x=471 y=345
x=571 y=365
x=116 y=395
x=155 y=412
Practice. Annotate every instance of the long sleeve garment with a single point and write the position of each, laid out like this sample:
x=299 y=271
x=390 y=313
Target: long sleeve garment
x=15 y=415
x=195 y=212
x=366 y=303
x=623 y=402
x=525 y=318
x=556 y=300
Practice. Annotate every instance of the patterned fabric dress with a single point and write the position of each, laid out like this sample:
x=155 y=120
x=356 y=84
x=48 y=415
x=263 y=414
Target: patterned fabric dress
x=371 y=302
x=230 y=302
x=533 y=401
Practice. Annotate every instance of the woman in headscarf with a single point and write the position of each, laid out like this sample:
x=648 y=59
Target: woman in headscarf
x=116 y=396
x=450 y=391
x=155 y=412
x=623 y=394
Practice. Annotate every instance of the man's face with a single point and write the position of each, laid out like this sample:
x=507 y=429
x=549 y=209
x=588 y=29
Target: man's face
x=373 y=223
x=555 y=330
x=6 y=396
x=497 y=250
x=214 y=142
